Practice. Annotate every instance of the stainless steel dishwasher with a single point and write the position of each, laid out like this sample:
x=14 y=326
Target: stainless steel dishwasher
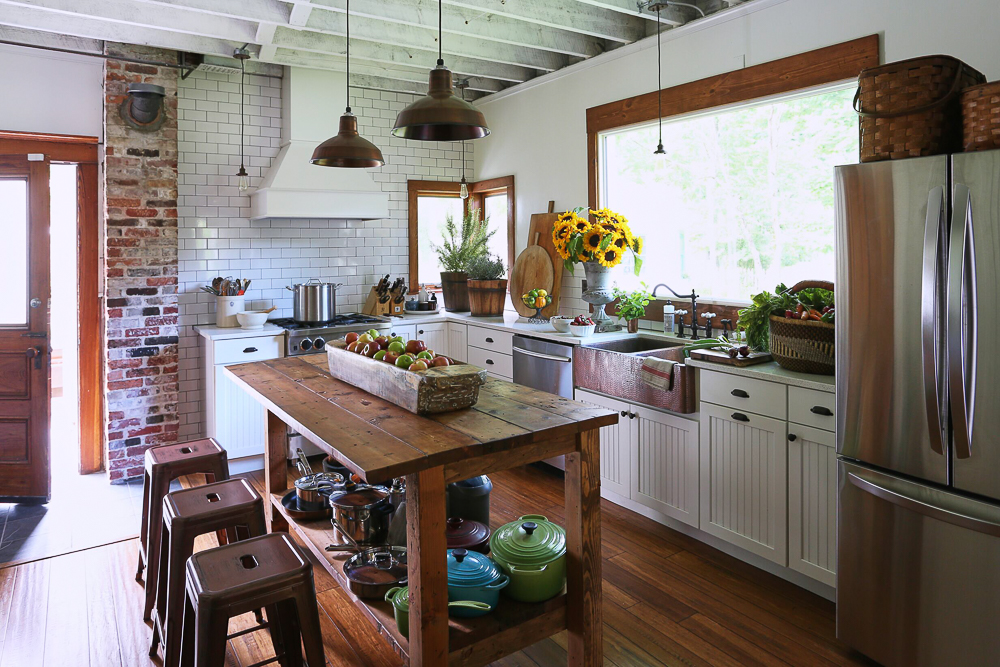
x=547 y=366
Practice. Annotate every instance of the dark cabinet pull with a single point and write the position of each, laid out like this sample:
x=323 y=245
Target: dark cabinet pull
x=632 y=415
x=820 y=410
x=248 y=350
x=489 y=362
x=740 y=417
x=739 y=393
x=489 y=340
x=792 y=437
x=421 y=331
x=624 y=413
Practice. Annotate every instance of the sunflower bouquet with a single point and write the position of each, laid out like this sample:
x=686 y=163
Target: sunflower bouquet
x=606 y=240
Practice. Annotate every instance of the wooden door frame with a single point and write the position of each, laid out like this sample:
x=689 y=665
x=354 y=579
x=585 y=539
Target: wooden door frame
x=82 y=151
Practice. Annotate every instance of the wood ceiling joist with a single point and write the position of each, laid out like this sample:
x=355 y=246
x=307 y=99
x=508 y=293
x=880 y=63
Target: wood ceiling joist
x=562 y=14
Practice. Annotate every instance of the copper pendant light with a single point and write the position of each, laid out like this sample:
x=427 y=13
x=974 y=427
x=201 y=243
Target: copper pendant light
x=348 y=149
x=439 y=115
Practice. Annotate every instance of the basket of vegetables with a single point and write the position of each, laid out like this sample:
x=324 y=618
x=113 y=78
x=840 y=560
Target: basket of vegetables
x=796 y=324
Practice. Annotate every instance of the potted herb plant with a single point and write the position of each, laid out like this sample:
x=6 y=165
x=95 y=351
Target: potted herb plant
x=458 y=248
x=487 y=286
x=631 y=306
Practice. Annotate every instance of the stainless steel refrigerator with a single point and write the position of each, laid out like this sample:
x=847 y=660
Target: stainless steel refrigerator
x=918 y=409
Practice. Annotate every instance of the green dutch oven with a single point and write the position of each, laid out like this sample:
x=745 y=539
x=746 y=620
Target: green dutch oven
x=532 y=552
x=399 y=598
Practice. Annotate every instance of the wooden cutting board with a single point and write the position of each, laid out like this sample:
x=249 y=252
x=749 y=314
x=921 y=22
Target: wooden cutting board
x=720 y=357
x=532 y=270
x=541 y=225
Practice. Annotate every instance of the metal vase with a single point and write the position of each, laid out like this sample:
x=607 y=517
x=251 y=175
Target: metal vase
x=598 y=292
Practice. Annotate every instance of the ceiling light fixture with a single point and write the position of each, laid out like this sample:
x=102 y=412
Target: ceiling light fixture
x=463 y=191
x=348 y=149
x=659 y=85
x=439 y=115
x=242 y=54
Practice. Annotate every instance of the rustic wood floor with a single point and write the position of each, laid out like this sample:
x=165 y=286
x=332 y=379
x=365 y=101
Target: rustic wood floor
x=669 y=600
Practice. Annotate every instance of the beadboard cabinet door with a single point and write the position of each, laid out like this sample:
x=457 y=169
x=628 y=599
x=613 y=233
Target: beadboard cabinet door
x=665 y=463
x=435 y=336
x=812 y=502
x=238 y=423
x=458 y=341
x=744 y=481
x=617 y=443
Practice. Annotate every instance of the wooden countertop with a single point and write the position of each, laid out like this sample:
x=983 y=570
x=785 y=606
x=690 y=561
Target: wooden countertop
x=379 y=440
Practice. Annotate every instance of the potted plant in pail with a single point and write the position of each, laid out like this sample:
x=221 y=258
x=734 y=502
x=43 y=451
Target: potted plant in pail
x=458 y=248
x=487 y=286
x=631 y=306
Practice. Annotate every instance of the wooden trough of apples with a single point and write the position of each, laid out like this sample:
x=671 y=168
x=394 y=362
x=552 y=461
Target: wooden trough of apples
x=428 y=388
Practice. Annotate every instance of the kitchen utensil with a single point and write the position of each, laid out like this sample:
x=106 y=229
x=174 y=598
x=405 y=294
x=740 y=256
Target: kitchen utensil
x=467 y=534
x=399 y=598
x=314 y=302
x=252 y=319
x=473 y=576
x=532 y=552
x=470 y=499
x=533 y=269
x=361 y=512
x=313 y=490
x=372 y=572
x=290 y=501
x=540 y=227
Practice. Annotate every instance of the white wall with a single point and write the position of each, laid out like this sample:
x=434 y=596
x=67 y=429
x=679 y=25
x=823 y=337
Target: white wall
x=54 y=93
x=539 y=133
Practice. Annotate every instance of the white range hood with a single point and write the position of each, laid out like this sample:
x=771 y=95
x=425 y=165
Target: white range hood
x=312 y=102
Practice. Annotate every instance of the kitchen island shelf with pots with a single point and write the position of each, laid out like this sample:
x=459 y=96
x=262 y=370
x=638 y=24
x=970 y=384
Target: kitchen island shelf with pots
x=510 y=426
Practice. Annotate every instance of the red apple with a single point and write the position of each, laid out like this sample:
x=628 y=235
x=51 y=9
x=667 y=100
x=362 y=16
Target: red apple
x=382 y=341
x=413 y=346
x=418 y=365
x=390 y=357
x=352 y=346
x=351 y=337
x=440 y=361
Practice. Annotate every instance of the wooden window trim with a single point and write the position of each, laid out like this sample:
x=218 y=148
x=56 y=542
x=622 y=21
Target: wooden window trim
x=824 y=66
x=478 y=191
x=82 y=151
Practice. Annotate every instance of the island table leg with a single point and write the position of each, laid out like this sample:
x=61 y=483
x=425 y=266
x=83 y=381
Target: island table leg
x=275 y=470
x=426 y=549
x=583 y=552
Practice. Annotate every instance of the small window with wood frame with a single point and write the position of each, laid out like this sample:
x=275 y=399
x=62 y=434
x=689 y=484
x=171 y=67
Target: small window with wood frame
x=430 y=203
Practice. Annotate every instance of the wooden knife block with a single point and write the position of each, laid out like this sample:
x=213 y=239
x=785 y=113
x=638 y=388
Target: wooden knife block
x=373 y=307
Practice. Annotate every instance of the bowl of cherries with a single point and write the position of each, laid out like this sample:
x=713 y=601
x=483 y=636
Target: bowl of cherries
x=582 y=326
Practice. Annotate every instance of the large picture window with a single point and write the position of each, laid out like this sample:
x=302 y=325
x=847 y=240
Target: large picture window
x=743 y=198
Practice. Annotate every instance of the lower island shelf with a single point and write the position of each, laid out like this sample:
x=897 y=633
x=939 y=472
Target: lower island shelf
x=472 y=641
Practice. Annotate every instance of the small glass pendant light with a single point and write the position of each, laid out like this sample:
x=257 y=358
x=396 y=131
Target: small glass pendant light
x=242 y=54
x=348 y=149
x=659 y=85
x=439 y=115
x=463 y=191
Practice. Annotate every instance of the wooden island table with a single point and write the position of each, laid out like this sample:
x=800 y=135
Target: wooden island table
x=510 y=426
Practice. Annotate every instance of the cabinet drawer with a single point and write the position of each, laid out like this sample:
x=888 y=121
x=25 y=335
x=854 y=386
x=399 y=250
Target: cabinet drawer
x=812 y=408
x=744 y=394
x=239 y=350
x=490 y=339
x=495 y=363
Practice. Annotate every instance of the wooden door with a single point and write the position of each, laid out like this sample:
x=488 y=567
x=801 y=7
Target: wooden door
x=24 y=327
x=743 y=480
x=616 y=444
x=665 y=464
x=812 y=502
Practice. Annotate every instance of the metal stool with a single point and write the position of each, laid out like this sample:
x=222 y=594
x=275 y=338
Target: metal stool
x=231 y=506
x=269 y=571
x=163 y=465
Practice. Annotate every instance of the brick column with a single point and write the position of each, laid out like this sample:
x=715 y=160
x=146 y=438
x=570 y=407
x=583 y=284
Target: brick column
x=141 y=266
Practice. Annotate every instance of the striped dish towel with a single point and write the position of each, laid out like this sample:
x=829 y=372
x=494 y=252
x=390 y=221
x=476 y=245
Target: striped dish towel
x=658 y=373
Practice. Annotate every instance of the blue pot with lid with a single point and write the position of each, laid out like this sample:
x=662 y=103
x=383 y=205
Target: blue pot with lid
x=473 y=576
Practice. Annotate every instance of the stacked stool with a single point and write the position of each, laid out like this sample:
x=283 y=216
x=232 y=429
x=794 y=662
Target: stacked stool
x=232 y=506
x=269 y=571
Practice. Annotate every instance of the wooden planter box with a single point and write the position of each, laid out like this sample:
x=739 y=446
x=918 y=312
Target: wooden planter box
x=427 y=392
x=487 y=297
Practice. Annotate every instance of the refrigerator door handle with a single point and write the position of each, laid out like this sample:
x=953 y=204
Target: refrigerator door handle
x=962 y=321
x=948 y=511
x=930 y=283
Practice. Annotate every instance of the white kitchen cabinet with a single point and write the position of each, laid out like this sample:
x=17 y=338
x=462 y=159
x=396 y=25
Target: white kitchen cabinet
x=232 y=417
x=435 y=336
x=665 y=463
x=404 y=331
x=458 y=341
x=744 y=482
x=616 y=444
x=812 y=502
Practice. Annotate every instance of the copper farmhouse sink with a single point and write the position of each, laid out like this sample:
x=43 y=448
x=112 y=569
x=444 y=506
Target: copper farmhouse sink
x=612 y=368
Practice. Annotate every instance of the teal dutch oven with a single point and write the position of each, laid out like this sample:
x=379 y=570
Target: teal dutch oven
x=532 y=552
x=399 y=598
x=473 y=576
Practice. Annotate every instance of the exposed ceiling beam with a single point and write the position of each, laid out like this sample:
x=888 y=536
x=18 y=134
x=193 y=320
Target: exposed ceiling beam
x=50 y=40
x=670 y=16
x=472 y=23
x=418 y=37
x=39 y=19
x=270 y=11
x=394 y=55
x=561 y=14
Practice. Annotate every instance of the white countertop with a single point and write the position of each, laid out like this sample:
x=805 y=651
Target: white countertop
x=772 y=372
x=213 y=332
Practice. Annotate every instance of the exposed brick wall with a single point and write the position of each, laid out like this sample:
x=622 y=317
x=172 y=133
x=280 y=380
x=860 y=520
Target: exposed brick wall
x=141 y=266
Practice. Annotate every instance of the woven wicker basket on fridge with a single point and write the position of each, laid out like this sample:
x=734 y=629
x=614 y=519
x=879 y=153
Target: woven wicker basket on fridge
x=805 y=346
x=911 y=108
x=981 y=117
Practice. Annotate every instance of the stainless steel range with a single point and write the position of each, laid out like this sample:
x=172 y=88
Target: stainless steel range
x=301 y=339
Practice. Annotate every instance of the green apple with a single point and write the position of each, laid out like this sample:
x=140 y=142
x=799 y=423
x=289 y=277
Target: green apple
x=397 y=347
x=380 y=355
x=373 y=333
x=364 y=338
x=426 y=354
x=404 y=361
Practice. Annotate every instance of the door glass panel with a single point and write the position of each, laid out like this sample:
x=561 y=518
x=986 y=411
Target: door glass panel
x=496 y=213
x=432 y=215
x=14 y=252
